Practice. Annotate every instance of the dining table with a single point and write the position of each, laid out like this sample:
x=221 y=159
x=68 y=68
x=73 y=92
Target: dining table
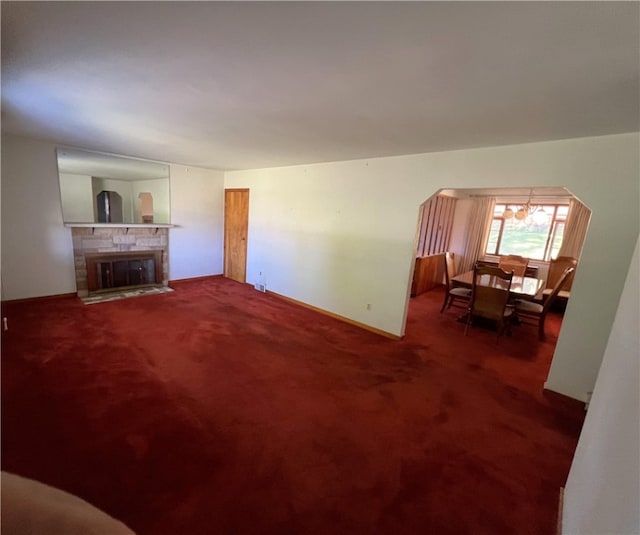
x=521 y=287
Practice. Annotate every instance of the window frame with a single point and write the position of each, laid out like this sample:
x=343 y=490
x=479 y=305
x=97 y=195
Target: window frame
x=554 y=223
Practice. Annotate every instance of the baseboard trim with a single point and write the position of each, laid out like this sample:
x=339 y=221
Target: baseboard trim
x=560 y=509
x=336 y=316
x=40 y=298
x=195 y=279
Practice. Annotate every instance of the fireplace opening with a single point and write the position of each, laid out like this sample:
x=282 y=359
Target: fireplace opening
x=108 y=272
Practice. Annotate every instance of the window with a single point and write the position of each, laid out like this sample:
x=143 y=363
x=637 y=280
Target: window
x=538 y=236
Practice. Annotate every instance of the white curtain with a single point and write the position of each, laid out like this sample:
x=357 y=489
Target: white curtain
x=575 y=229
x=478 y=227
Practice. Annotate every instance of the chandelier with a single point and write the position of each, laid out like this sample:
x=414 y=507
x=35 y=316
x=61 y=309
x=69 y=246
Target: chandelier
x=527 y=211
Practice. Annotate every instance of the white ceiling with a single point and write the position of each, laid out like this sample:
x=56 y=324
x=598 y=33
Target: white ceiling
x=244 y=85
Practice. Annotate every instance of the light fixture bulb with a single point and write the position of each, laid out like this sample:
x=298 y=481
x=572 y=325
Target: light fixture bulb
x=521 y=214
x=508 y=213
x=540 y=217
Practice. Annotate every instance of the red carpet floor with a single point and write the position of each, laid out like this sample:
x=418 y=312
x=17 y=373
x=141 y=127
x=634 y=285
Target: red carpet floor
x=218 y=409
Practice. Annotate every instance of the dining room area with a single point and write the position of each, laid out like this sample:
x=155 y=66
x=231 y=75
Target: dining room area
x=496 y=267
x=505 y=294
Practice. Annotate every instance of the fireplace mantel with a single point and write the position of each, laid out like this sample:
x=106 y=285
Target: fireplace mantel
x=119 y=225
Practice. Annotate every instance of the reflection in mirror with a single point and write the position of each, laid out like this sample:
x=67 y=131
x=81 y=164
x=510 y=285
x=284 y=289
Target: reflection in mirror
x=103 y=188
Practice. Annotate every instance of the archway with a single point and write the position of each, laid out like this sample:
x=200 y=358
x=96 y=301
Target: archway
x=482 y=224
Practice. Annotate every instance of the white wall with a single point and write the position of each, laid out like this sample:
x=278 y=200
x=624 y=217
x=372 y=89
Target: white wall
x=314 y=231
x=602 y=494
x=341 y=235
x=197 y=197
x=77 y=197
x=37 y=250
x=159 y=189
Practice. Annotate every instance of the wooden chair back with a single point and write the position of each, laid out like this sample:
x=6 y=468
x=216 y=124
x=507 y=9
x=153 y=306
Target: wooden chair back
x=449 y=268
x=517 y=264
x=490 y=292
x=557 y=268
x=452 y=292
x=538 y=312
x=560 y=285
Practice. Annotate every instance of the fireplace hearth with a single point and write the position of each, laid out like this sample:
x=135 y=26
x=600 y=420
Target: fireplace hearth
x=115 y=258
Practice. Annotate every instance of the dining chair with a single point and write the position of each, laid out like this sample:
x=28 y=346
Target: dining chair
x=517 y=264
x=537 y=311
x=557 y=268
x=451 y=292
x=489 y=297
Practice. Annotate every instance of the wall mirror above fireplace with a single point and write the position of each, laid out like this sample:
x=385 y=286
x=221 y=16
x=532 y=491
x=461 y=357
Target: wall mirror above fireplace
x=105 y=188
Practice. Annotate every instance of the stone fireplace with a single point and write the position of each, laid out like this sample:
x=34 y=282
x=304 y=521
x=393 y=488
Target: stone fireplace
x=115 y=257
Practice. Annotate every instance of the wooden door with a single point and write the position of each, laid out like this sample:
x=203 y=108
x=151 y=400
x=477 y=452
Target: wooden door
x=236 y=224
